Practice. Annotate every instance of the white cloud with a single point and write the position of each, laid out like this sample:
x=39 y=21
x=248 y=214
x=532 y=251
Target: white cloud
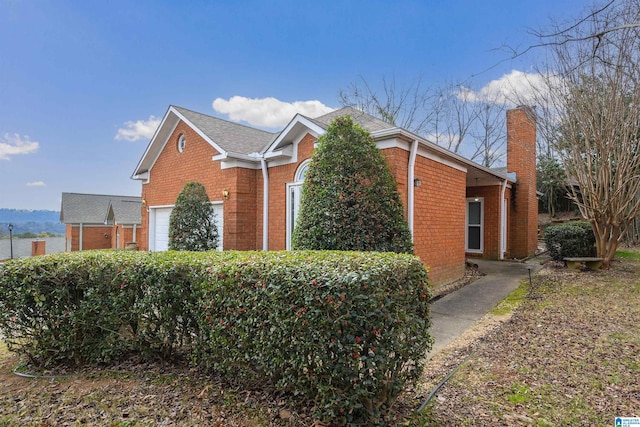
x=446 y=140
x=515 y=88
x=140 y=129
x=267 y=112
x=14 y=144
x=36 y=184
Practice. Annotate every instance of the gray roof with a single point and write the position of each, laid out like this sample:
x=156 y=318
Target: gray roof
x=90 y=208
x=365 y=120
x=125 y=210
x=231 y=137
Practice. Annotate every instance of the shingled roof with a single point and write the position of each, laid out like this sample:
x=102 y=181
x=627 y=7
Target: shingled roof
x=79 y=208
x=365 y=120
x=231 y=137
x=125 y=211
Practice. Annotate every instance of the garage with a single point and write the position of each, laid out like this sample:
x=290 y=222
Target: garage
x=159 y=226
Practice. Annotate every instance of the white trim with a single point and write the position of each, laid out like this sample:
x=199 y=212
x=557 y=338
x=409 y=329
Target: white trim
x=298 y=119
x=467 y=225
x=442 y=153
x=160 y=150
x=151 y=141
x=393 y=143
x=197 y=129
x=410 y=185
x=239 y=163
x=424 y=150
x=265 y=205
x=288 y=218
x=297 y=184
x=286 y=151
x=503 y=221
x=300 y=169
x=432 y=156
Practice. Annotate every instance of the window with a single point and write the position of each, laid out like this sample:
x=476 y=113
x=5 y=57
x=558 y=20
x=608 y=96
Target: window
x=182 y=142
x=294 y=194
x=474 y=240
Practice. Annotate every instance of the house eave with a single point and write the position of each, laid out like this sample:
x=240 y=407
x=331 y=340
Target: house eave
x=441 y=152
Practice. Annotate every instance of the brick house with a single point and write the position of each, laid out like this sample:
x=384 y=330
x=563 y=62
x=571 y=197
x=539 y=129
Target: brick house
x=98 y=221
x=455 y=208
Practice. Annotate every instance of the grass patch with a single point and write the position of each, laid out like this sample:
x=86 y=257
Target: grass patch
x=629 y=254
x=513 y=300
x=520 y=393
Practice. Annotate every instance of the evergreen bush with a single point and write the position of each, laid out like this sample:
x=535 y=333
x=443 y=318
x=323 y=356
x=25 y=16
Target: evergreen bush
x=343 y=331
x=571 y=239
x=192 y=224
x=350 y=200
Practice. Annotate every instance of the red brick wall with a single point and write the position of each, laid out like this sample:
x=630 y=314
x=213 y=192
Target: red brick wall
x=38 y=247
x=439 y=220
x=398 y=161
x=173 y=170
x=126 y=235
x=521 y=159
x=491 y=235
x=93 y=237
x=279 y=176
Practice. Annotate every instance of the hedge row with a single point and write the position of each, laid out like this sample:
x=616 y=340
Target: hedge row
x=571 y=239
x=344 y=330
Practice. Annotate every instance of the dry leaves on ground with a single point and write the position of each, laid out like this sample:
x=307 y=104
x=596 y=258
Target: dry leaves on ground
x=569 y=356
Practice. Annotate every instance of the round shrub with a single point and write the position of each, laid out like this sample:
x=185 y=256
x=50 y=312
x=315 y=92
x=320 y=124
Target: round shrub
x=571 y=239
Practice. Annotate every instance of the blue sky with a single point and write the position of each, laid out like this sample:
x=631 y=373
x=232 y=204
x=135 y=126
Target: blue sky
x=82 y=83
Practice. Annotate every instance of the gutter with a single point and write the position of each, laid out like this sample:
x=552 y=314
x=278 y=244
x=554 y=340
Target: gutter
x=503 y=221
x=265 y=205
x=411 y=186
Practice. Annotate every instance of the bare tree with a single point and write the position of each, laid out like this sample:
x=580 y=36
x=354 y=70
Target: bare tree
x=489 y=134
x=593 y=96
x=405 y=107
x=451 y=116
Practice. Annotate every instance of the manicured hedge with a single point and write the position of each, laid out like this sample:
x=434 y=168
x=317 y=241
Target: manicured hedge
x=571 y=239
x=97 y=306
x=344 y=330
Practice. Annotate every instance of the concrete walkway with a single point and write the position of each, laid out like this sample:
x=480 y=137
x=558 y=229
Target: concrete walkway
x=454 y=313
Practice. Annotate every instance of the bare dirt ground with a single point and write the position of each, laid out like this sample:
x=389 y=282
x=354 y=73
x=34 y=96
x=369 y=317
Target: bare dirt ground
x=570 y=355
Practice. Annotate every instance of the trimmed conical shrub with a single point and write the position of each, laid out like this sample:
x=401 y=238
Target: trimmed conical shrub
x=350 y=200
x=191 y=224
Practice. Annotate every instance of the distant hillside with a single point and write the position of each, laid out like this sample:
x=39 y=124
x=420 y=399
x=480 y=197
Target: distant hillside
x=28 y=221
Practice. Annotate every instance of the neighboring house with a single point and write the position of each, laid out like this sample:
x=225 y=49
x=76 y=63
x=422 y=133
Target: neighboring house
x=455 y=208
x=97 y=221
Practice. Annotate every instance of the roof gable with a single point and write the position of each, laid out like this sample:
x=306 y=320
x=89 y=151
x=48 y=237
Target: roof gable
x=125 y=210
x=91 y=208
x=301 y=125
x=228 y=138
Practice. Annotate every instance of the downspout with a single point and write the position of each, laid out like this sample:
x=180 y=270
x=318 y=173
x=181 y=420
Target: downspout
x=410 y=186
x=265 y=205
x=503 y=221
x=134 y=233
x=80 y=238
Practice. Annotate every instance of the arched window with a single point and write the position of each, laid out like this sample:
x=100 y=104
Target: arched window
x=294 y=194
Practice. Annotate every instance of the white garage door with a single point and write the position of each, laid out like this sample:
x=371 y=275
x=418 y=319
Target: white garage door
x=159 y=227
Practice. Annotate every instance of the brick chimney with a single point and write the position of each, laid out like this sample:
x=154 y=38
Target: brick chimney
x=521 y=159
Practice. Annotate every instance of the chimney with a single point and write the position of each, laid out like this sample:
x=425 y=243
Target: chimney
x=521 y=159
